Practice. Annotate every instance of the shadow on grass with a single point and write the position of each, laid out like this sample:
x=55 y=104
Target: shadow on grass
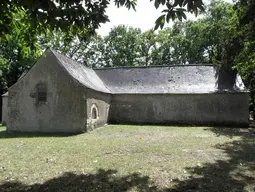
x=5 y=134
x=235 y=174
x=244 y=133
x=103 y=180
x=252 y=123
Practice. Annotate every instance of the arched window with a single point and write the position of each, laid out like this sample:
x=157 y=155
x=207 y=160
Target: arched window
x=94 y=112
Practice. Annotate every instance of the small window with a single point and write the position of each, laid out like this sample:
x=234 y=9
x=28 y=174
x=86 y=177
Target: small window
x=94 y=113
x=41 y=93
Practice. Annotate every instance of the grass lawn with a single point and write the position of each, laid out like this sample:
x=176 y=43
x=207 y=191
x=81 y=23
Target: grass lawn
x=130 y=158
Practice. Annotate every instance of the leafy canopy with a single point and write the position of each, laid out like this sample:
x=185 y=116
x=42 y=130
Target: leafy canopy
x=78 y=15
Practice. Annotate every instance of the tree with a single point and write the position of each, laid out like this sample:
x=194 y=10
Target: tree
x=71 y=46
x=80 y=15
x=195 y=42
x=96 y=55
x=179 y=45
x=15 y=53
x=122 y=46
x=245 y=59
x=147 y=43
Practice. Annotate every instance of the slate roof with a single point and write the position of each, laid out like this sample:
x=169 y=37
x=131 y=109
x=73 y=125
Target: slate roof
x=176 y=79
x=169 y=79
x=84 y=75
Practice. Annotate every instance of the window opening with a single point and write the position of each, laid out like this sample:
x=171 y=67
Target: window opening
x=41 y=93
x=94 y=113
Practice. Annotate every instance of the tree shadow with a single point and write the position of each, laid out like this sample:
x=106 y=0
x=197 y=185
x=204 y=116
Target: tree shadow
x=4 y=134
x=244 y=133
x=235 y=174
x=103 y=180
x=252 y=124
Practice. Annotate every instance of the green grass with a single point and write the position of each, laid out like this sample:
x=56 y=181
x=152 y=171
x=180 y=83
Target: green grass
x=130 y=158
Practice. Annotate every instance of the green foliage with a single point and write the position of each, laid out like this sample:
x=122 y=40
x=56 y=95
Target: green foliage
x=79 y=15
x=96 y=54
x=122 y=46
x=173 y=46
x=245 y=33
x=17 y=54
x=147 y=45
x=191 y=42
x=176 y=10
x=245 y=61
x=245 y=64
x=29 y=27
x=3 y=71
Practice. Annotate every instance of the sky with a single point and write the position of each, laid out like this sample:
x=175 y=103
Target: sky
x=144 y=17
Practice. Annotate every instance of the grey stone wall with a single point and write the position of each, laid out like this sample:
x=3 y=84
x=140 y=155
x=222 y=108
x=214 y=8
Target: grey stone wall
x=101 y=101
x=216 y=108
x=4 y=109
x=65 y=109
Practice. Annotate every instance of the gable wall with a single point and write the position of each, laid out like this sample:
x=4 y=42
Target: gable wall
x=217 y=108
x=102 y=103
x=65 y=109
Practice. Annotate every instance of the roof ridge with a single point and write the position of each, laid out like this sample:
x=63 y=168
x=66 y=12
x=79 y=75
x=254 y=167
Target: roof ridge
x=127 y=67
x=63 y=55
x=155 y=66
x=70 y=63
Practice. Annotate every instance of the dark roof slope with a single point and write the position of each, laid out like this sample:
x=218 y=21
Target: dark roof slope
x=169 y=79
x=176 y=79
x=81 y=73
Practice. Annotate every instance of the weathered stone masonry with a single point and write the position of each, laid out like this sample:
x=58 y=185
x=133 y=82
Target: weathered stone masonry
x=61 y=95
